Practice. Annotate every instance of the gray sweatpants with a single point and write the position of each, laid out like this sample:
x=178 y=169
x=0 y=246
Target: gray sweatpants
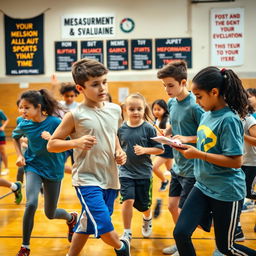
x=51 y=196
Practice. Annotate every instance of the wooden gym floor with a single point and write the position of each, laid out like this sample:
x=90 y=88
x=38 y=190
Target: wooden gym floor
x=49 y=236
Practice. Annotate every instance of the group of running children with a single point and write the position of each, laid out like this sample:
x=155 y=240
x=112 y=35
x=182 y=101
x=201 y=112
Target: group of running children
x=207 y=187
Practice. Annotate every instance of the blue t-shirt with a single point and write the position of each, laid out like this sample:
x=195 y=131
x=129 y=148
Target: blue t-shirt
x=38 y=159
x=185 y=117
x=137 y=167
x=220 y=132
x=2 y=118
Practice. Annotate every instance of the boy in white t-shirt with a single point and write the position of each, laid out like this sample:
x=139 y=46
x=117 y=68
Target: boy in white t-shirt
x=92 y=127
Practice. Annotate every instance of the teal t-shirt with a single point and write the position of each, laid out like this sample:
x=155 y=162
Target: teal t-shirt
x=185 y=117
x=2 y=118
x=38 y=159
x=220 y=132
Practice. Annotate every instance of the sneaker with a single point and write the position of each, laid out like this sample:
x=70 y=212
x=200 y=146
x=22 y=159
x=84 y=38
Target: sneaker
x=147 y=228
x=18 y=193
x=163 y=185
x=176 y=254
x=217 y=253
x=71 y=225
x=170 y=250
x=248 y=206
x=23 y=252
x=126 y=250
x=157 y=210
x=239 y=235
x=127 y=236
x=5 y=171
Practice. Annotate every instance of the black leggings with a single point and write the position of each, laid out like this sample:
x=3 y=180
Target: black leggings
x=225 y=215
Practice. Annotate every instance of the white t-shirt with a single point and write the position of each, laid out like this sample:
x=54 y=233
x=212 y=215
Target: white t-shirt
x=249 y=157
x=70 y=106
x=97 y=166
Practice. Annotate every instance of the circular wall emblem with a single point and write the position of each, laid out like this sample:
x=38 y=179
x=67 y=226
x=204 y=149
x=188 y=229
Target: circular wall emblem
x=127 y=25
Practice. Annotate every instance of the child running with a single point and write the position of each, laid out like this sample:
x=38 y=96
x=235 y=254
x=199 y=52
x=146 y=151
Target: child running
x=92 y=127
x=136 y=174
x=161 y=114
x=41 y=167
x=3 y=122
x=220 y=182
x=185 y=116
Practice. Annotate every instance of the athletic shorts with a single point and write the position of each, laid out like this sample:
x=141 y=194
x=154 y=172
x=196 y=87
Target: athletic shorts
x=168 y=152
x=180 y=186
x=140 y=190
x=97 y=207
x=2 y=140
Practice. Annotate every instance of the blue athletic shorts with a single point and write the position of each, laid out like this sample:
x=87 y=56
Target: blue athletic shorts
x=97 y=207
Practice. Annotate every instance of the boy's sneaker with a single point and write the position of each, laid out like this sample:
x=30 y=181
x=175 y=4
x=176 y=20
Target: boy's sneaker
x=126 y=250
x=71 y=224
x=171 y=250
x=18 y=193
x=23 y=252
x=5 y=171
x=239 y=235
x=147 y=228
x=163 y=186
x=157 y=210
x=248 y=206
x=127 y=236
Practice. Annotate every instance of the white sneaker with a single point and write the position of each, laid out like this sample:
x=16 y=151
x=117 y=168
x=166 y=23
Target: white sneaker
x=147 y=228
x=171 y=250
x=176 y=254
x=127 y=236
x=5 y=171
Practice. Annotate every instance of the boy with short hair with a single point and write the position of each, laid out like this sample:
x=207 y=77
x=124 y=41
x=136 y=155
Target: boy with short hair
x=185 y=116
x=92 y=127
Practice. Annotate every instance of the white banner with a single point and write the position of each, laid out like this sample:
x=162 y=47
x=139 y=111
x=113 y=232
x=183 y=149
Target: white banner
x=227 y=37
x=84 y=26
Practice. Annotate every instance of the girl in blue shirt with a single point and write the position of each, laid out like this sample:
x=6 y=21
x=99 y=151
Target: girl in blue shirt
x=220 y=182
x=41 y=166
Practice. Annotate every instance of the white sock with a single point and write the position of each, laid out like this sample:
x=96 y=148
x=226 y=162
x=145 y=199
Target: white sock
x=122 y=246
x=128 y=231
x=13 y=187
x=25 y=246
x=147 y=218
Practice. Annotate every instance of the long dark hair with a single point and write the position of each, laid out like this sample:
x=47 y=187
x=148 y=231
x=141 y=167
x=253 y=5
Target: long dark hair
x=229 y=85
x=49 y=105
x=165 y=116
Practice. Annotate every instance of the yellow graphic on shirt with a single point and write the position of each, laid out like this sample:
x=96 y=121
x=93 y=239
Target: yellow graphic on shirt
x=208 y=134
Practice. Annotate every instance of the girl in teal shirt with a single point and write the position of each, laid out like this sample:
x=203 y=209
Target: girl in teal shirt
x=220 y=182
x=41 y=166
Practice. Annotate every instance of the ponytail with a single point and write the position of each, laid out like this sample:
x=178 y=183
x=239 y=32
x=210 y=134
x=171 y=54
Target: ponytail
x=229 y=85
x=49 y=106
x=234 y=93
